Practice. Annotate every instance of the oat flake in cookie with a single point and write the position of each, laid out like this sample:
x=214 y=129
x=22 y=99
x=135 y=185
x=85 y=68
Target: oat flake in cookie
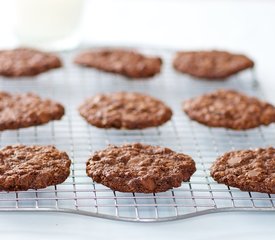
x=248 y=170
x=32 y=167
x=229 y=109
x=125 y=62
x=211 y=64
x=26 y=110
x=26 y=62
x=124 y=110
x=140 y=168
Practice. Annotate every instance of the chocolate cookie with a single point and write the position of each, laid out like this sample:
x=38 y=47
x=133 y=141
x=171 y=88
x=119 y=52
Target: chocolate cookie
x=32 y=167
x=248 y=170
x=140 y=168
x=229 y=109
x=211 y=64
x=27 y=109
x=26 y=62
x=125 y=62
x=124 y=110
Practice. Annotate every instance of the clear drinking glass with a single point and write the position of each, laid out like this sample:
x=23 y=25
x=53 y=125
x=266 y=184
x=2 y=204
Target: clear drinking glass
x=48 y=24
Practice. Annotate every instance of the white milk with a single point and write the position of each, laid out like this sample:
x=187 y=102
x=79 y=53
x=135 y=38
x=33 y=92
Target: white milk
x=48 y=24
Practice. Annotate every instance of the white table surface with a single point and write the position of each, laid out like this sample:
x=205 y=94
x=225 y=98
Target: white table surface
x=237 y=25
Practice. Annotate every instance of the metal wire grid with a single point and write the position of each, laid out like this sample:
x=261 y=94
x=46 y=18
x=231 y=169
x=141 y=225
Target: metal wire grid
x=79 y=194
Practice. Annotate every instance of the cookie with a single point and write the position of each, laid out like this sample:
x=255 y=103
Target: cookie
x=124 y=110
x=26 y=62
x=248 y=170
x=211 y=64
x=26 y=110
x=229 y=109
x=125 y=62
x=32 y=167
x=140 y=168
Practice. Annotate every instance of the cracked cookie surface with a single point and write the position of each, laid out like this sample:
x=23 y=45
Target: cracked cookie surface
x=32 y=167
x=125 y=62
x=20 y=110
x=140 y=168
x=125 y=110
x=21 y=62
x=248 y=170
x=229 y=109
x=211 y=64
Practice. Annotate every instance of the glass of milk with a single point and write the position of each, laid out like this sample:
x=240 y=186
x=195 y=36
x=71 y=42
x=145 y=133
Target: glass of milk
x=48 y=24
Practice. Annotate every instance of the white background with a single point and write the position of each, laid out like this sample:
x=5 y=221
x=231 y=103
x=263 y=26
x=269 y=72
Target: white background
x=237 y=25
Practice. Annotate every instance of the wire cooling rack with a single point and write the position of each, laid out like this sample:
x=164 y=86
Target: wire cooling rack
x=79 y=194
